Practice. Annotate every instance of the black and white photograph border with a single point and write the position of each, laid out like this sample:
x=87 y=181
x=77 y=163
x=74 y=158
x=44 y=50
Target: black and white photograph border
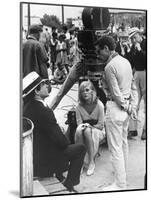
x=10 y=176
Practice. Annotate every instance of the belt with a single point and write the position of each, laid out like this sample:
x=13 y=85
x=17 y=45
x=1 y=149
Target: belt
x=111 y=99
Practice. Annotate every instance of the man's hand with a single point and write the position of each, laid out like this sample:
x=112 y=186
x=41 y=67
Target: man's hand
x=138 y=46
x=85 y=125
x=133 y=114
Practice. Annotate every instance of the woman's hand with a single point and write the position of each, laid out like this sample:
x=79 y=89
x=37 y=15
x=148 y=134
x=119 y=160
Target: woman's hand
x=85 y=125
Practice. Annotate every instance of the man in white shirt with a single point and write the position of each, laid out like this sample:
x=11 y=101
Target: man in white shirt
x=122 y=102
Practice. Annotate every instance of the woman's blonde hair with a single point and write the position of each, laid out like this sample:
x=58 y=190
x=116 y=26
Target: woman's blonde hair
x=82 y=86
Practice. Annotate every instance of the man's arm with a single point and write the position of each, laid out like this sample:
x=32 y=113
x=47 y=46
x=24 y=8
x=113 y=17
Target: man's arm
x=129 y=106
x=111 y=79
x=52 y=129
x=73 y=76
x=42 y=59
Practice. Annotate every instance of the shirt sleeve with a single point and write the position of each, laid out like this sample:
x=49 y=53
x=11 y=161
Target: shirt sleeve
x=52 y=129
x=111 y=79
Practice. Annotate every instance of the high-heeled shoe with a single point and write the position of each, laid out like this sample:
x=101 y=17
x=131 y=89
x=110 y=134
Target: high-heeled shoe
x=91 y=169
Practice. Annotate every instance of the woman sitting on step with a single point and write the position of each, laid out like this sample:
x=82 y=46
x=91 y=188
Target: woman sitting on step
x=90 y=122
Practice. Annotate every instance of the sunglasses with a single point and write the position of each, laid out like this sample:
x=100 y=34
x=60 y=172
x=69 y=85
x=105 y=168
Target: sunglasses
x=86 y=90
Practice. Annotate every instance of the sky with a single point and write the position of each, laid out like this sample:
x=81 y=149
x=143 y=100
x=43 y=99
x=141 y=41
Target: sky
x=39 y=10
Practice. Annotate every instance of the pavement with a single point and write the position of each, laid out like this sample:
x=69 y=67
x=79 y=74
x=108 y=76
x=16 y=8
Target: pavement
x=104 y=174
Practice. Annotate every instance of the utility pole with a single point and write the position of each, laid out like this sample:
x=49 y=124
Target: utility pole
x=62 y=14
x=28 y=15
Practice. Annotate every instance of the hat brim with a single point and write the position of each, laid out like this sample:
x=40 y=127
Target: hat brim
x=133 y=33
x=32 y=88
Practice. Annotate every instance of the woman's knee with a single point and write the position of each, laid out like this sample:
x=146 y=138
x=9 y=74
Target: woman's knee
x=78 y=134
x=79 y=129
x=88 y=133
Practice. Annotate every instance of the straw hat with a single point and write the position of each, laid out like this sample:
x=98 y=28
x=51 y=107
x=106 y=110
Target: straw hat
x=133 y=31
x=30 y=82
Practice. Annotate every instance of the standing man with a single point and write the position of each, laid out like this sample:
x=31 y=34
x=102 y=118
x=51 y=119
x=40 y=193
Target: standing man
x=52 y=152
x=138 y=59
x=34 y=54
x=120 y=104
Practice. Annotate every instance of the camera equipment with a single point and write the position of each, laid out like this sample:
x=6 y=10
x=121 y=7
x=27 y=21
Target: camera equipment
x=71 y=118
x=94 y=20
x=71 y=121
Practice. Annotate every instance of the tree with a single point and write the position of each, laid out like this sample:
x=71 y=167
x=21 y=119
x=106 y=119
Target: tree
x=51 y=21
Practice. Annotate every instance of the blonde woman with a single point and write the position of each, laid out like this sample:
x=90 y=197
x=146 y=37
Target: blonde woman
x=90 y=122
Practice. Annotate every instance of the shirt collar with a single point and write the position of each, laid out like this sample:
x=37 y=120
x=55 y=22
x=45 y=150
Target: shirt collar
x=31 y=37
x=43 y=102
x=111 y=57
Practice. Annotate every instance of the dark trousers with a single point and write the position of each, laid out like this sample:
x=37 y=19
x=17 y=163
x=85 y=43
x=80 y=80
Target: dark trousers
x=75 y=154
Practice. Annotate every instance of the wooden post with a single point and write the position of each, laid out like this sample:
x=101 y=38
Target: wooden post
x=27 y=158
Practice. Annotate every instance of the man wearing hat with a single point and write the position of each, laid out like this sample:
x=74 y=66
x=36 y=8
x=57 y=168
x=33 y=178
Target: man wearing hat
x=34 y=54
x=138 y=59
x=52 y=152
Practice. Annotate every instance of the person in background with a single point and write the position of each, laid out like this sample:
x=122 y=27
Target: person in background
x=61 y=49
x=45 y=39
x=60 y=74
x=66 y=32
x=52 y=152
x=90 y=122
x=67 y=37
x=122 y=103
x=138 y=59
x=34 y=54
x=24 y=36
x=53 y=52
x=123 y=46
x=73 y=53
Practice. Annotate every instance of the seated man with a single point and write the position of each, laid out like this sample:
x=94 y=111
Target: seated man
x=52 y=152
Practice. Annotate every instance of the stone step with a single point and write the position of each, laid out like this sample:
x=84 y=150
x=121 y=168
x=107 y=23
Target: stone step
x=53 y=186
x=38 y=189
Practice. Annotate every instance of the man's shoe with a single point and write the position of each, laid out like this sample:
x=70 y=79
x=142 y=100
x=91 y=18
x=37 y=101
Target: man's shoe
x=80 y=188
x=69 y=187
x=132 y=133
x=60 y=177
x=113 y=187
x=143 y=137
x=91 y=169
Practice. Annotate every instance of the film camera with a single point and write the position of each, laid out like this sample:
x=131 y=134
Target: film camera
x=71 y=121
x=94 y=20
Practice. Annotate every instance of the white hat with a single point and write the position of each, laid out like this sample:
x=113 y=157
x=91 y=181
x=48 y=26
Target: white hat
x=132 y=31
x=30 y=82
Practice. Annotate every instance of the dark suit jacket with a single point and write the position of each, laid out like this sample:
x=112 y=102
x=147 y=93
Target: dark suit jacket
x=34 y=58
x=48 y=140
x=138 y=59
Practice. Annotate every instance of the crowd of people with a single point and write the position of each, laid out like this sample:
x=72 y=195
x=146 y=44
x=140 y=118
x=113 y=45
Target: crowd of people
x=60 y=48
x=124 y=85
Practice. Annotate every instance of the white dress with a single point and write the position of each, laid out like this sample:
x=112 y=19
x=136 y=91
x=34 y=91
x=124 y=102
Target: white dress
x=97 y=114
